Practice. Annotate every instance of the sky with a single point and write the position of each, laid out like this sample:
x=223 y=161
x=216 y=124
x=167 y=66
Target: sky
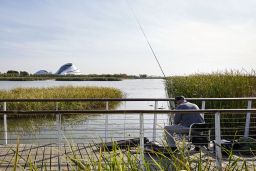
x=103 y=37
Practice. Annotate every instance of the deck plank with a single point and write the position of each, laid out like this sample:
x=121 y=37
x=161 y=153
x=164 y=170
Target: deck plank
x=66 y=157
x=90 y=157
x=43 y=156
x=27 y=155
x=12 y=156
x=4 y=154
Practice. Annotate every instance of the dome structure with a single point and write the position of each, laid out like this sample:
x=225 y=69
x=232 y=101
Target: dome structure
x=68 y=69
x=41 y=72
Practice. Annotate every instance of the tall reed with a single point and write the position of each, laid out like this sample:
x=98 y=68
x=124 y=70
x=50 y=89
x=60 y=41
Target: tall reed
x=222 y=85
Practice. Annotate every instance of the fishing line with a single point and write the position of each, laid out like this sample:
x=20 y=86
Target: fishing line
x=171 y=103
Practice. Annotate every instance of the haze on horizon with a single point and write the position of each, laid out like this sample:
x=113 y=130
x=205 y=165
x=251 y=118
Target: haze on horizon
x=103 y=37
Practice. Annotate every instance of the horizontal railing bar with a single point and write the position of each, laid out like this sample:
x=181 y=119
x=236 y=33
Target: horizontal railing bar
x=120 y=99
x=123 y=111
x=114 y=129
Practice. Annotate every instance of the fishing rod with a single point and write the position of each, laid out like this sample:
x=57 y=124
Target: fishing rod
x=146 y=38
x=171 y=103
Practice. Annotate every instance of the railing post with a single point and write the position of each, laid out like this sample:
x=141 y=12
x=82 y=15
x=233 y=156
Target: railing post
x=218 y=141
x=141 y=141
x=106 y=122
x=155 y=122
x=248 y=119
x=58 y=125
x=5 y=124
x=203 y=107
x=171 y=116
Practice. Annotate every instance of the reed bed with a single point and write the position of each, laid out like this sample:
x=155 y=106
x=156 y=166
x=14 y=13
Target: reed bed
x=228 y=84
x=60 y=92
x=222 y=85
x=20 y=124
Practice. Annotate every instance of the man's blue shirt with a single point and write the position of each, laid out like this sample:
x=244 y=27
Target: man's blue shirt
x=186 y=119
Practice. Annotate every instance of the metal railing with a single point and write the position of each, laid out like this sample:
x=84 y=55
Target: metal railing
x=247 y=111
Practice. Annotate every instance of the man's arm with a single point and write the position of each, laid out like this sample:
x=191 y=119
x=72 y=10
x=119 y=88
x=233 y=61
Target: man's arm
x=177 y=118
x=195 y=107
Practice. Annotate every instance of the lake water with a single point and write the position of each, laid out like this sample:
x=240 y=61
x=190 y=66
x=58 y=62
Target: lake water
x=91 y=127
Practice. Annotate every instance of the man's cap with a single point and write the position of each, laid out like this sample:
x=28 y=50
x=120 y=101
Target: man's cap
x=179 y=98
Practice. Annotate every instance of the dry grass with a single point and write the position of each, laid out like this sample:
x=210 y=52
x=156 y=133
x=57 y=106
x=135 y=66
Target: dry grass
x=60 y=92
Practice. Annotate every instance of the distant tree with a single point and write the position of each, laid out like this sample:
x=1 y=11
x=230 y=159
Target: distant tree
x=12 y=73
x=123 y=75
x=143 y=75
x=24 y=73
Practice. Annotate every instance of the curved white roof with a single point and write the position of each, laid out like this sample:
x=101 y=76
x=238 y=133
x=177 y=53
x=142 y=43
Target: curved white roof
x=68 y=69
x=41 y=72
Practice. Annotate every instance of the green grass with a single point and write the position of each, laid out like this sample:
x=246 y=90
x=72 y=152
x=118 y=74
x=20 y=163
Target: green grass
x=222 y=85
x=60 y=92
x=120 y=160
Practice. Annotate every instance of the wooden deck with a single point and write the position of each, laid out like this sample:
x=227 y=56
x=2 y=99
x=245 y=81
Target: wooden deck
x=46 y=157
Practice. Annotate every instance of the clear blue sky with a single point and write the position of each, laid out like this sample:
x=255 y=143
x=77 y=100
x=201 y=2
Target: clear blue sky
x=102 y=36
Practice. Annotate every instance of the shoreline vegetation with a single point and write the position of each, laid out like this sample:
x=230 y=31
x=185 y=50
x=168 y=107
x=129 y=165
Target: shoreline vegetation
x=219 y=84
x=61 y=92
x=31 y=123
x=222 y=85
x=66 y=78
x=24 y=76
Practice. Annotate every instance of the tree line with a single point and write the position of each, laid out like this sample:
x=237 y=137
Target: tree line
x=14 y=73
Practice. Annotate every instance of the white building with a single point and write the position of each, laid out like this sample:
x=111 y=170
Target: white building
x=68 y=69
x=41 y=72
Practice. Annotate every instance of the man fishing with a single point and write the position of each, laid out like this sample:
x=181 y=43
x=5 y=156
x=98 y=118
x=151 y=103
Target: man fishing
x=182 y=121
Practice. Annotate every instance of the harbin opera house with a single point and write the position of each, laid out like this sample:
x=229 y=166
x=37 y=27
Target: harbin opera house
x=68 y=69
